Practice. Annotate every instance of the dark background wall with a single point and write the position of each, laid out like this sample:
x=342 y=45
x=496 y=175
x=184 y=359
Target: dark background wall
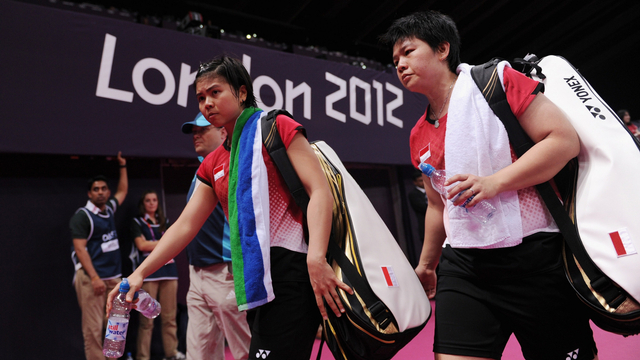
x=39 y=194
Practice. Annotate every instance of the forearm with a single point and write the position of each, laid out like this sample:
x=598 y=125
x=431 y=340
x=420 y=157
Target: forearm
x=433 y=238
x=145 y=245
x=85 y=260
x=123 y=185
x=123 y=182
x=434 y=231
x=319 y=217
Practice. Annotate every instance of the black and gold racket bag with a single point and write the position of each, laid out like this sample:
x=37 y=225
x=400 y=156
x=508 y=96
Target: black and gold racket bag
x=389 y=306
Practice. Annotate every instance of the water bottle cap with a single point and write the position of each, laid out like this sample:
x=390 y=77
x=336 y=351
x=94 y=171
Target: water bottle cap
x=124 y=285
x=427 y=169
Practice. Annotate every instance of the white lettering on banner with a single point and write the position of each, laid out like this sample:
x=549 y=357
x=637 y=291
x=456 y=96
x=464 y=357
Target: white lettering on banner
x=294 y=92
x=353 y=97
x=365 y=118
x=335 y=96
x=379 y=102
x=186 y=79
x=104 y=76
x=285 y=100
x=246 y=62
x=394 y=104
x=266 y=80
x=137 y=76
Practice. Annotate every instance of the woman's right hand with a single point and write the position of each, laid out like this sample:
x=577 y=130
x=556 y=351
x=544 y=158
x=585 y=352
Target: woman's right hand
x=428 y=279
x=135 y=283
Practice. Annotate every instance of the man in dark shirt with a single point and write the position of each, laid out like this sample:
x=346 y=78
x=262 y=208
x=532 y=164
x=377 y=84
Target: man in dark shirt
x=96 y=256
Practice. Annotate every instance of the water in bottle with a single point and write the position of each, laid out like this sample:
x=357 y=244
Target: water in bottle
x=146 y=305
x=481 y=212
x=118 y=324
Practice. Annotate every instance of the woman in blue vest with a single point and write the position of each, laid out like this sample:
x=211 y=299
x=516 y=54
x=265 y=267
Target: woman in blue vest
x=147 y=228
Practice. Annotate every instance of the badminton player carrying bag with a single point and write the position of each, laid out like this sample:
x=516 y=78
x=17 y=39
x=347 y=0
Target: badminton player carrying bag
x=599 y=219
x=389 y=306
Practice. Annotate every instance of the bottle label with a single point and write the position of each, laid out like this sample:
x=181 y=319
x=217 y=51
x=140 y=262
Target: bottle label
x=117 y=329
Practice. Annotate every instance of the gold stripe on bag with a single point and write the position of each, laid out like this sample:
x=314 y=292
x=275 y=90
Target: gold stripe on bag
x=368 y=333
x=335 y=336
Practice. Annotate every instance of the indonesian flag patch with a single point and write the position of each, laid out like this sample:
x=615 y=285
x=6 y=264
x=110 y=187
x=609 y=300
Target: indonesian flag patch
x=622 y=242
x=218 y=172
x=389 y=276
x=425 y=153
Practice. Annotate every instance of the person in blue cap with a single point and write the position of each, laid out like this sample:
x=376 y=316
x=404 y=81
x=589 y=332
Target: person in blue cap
x=211 y=301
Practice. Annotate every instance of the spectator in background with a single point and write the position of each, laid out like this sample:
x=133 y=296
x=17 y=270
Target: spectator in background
x=146 y=229
x=211 y=300
x=623 y=114
x=418 y=200
x=96 y=256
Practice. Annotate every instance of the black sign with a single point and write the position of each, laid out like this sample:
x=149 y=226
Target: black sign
x=74 y=83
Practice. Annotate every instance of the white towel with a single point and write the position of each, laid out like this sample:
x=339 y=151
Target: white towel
x=476 y=142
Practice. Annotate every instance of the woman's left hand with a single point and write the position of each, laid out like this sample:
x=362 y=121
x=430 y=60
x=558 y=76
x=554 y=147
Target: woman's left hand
x=468 y=186
x=325 y=283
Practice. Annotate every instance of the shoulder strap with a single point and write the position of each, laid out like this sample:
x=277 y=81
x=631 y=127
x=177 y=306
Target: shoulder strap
x=275 y=147
x=486 y=77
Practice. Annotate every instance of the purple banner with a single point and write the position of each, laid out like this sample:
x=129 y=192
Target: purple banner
x=80 y=84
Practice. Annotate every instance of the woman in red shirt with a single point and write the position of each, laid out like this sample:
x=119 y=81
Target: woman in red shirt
x=284 y=327
x=505 y=277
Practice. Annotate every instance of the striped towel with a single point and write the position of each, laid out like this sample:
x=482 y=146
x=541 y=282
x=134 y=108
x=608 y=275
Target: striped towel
x=249 y=213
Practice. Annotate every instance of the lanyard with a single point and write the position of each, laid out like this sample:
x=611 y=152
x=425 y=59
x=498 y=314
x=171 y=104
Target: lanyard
x=153 y=235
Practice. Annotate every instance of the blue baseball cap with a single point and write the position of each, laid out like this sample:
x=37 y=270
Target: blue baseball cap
x=187 y=127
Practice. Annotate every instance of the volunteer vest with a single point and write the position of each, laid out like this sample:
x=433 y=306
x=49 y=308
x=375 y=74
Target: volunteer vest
x=152 y=232
x=102 y=244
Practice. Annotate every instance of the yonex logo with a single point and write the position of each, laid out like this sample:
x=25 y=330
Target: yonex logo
x=573 y=355
x=584 y=96
x=262 y=354
x=596 y=112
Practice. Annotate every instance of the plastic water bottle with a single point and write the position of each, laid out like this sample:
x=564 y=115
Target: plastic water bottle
x=481 y=212
x=129 y=357
x=118 y=324
x=147 y=305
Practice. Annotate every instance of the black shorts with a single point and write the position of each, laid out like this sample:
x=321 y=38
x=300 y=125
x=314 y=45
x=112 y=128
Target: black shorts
x=286 y=327
x=483 y=296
